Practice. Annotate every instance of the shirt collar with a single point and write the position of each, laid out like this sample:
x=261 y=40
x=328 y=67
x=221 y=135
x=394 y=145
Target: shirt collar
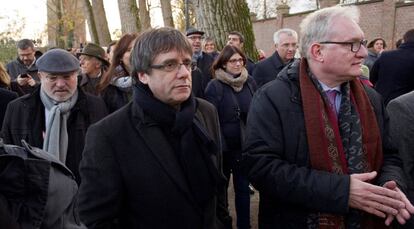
x=326 y=88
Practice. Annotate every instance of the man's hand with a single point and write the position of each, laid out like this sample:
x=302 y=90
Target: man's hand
x=25 y=79
x=373 y=199
x=405 y=213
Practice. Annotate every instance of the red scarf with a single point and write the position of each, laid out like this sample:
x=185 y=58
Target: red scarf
x=325 y=144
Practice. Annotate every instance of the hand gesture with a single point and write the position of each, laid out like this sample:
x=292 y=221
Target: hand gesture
x=405 y=213
x=376 y=200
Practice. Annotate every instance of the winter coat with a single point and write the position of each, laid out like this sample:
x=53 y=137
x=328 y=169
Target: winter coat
x=25 y=119
x=132 y=178
x=393 y=72
x=39 y=192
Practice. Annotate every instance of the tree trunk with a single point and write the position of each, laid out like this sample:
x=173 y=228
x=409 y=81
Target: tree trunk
x=167 y=13
x=144 y=15
x=101 y=22
x=91 y=21
x=219 y=17
x=128 y=13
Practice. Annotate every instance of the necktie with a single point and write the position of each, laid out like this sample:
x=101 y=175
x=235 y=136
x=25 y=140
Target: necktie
x=332 y=97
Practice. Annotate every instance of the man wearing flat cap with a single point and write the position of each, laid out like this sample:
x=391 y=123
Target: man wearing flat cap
x=56 y=115
x=202 y=59
x=93 y=64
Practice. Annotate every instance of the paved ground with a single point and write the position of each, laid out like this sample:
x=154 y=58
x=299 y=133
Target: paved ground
x=254 y=207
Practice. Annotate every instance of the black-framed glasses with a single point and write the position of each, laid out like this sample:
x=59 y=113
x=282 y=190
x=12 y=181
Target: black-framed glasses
x=175 y=66
x=355 y=45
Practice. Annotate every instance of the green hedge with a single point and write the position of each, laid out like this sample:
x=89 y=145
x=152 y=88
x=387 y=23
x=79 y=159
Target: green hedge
x=7 y=52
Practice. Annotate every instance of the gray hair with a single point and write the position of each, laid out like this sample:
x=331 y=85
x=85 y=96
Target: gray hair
x=25 y=44
x=153 y=42
x=317 y=26
x=289 y=32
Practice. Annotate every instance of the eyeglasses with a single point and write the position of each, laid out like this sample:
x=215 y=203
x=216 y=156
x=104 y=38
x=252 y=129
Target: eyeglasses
x=175 y=66
x=53 y=78
x=193 y=38
x=234 y=61
x=355 y=46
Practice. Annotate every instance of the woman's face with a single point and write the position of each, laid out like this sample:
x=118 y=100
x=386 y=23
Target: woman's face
x=126 y=57
x=235 y=64
x=379 y=46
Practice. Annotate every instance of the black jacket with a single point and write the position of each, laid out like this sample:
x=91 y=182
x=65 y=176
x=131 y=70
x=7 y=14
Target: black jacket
x=115 y=97
x=38 y=191
x=393 y=72
x=277 y=160
x=232 y=107
x=5 y=97
x=132 y=178
x=25 y=119
x=267 y=69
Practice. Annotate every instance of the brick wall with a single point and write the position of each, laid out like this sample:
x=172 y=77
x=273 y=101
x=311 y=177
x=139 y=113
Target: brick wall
x=379 y=18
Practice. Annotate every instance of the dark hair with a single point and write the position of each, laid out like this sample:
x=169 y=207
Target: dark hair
x=398 y=43
x=241 y=37
x=119 y=50
x=24 y=44
x=224 y=56
x=371 y=43
x=154 y=42
x=110 y=46
x=409 y=36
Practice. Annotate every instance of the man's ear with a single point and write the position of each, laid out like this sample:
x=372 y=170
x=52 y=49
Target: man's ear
x=316 y=52
x=143 y=77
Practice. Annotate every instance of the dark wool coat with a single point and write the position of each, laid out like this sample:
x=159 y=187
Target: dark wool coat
x=393 y=72
x=277 y=158
x=16 y=67
x=267 y=69
x=132 y=178
x=25 y=119
x=5 y=97
x=115 y=97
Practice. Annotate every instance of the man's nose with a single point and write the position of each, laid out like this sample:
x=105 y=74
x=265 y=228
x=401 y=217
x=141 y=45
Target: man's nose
x=60 y=82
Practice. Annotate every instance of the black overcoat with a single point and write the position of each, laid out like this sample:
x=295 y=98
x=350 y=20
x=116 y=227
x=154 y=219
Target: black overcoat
x=131 y=176
x=25 y=119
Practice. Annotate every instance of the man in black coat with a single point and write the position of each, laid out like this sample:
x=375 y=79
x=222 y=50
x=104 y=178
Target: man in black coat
x=57 y=114
x=393 y=72
x=199 y=57
x=286 y=42
x=317 y=146
x=156 y=163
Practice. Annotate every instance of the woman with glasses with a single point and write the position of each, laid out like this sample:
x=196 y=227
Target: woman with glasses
x=231 y=92
x=116 y=84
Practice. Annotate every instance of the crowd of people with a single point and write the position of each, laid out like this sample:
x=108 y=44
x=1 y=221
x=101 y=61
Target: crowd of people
x=152 y=129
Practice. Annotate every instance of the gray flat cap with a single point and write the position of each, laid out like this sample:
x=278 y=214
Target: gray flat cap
x=57 y=61
x=193 y=30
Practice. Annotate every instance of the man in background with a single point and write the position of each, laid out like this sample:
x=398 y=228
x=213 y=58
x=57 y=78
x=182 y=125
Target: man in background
x=23 y=70
x=286 y=43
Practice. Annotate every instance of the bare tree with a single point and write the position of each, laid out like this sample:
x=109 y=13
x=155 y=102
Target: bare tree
x=101 y=22
x=167 y=13
x=65 y=23
x=144 y=14
x=128 y=12
x=219 y=17
x=87 y=9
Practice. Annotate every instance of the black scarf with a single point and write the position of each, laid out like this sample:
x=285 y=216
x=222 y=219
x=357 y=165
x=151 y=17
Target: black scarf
x=191 y=143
